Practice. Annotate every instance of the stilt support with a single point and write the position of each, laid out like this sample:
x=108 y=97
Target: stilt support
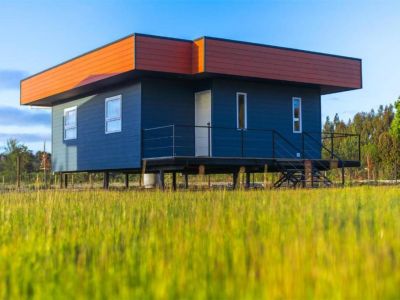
x=235 y=179
x=61 y=181
x=65 y=180
x=161 y=182
x=127 y=180
x=186 y=181
x=247 y=184
x=174 y=181
x=106 y=180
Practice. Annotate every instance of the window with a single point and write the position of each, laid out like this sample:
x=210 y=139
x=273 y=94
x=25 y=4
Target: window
x=70 y=123
x=113 y=114
x=241 y=110
x=296 y=104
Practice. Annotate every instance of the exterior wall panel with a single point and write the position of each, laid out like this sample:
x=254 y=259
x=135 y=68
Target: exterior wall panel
x=269 y=106
x=93 y=149
x=167 y=102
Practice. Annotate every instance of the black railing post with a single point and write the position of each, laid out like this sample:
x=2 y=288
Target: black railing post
x=302 y=145
x=209 y=138
x=359 y=147
x=332 y=145
x=173 y=140
x=241 y=140
x=273 y=143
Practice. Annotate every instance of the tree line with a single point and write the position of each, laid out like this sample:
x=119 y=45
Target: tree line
x=379 y=140
x=17 y=159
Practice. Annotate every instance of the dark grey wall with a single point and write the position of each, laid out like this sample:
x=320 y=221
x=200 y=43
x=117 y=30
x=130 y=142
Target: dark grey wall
x=269 y=106
x=93 y=149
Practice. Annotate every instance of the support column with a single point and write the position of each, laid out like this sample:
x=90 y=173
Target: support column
x=308 y=173
x=174 y=181
x=161 y=182
x=127 y=180
x=61 y=180
x=186 y=181
x=235 y=179
x=91 y=180
x=265 y=176
x=65 y=180
x=247 y=184
x=106 y=180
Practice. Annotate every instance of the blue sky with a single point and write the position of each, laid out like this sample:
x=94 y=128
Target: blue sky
x=38 y=34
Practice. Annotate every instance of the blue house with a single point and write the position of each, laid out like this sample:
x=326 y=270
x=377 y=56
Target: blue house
x=149 y=104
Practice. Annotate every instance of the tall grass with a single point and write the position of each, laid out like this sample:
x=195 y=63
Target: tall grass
x=338 y=243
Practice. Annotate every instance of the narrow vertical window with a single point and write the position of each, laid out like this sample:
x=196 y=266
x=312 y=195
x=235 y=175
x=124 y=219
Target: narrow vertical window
x=113 y=114
x=241 y=110
x=70 y=123
x=297 y=126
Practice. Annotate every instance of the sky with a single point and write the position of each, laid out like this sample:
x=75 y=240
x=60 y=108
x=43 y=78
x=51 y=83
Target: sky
x=35 y=35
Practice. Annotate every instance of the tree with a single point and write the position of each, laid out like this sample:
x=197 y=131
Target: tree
x=395 y=126
x=13 y=150
x=379 y=149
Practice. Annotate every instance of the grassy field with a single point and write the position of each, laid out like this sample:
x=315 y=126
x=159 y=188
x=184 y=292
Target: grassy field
x=330 y=244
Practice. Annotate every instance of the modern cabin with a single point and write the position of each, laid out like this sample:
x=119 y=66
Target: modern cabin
x=150 y=104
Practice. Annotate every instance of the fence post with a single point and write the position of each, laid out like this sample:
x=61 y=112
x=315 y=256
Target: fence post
x=342 y=174
x=359 y=147
x=18 y=171
x=302 y=145
x=332 y=145
x=209 y=139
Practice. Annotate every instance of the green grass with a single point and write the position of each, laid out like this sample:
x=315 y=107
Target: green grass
x=319 y=244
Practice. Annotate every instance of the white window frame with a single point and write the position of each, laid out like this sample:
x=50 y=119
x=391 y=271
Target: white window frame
x=75 y=126
x=118 y=97
x=300 y=118
x=237 y=110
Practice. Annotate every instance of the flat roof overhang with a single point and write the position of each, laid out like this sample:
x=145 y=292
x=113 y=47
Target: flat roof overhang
x=138 y=55
x=135 y=76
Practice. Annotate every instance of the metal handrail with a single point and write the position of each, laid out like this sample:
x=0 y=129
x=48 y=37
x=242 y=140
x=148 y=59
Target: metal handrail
x=322 y=146
x=332 y=155
x=275 y=136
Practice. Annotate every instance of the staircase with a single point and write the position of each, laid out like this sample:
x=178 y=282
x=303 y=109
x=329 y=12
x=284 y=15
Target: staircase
x=300 y=176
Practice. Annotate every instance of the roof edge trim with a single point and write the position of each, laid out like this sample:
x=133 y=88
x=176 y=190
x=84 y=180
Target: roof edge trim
x=78 y=56
x=280 y=47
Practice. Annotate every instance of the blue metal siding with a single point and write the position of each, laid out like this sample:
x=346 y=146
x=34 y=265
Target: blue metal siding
x=93 y=149
x=168 y=102
x=269 y=106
